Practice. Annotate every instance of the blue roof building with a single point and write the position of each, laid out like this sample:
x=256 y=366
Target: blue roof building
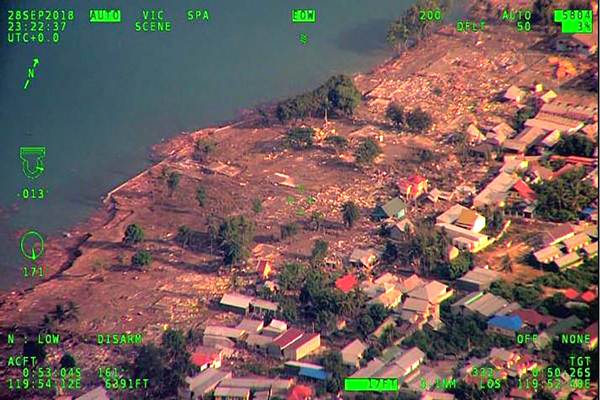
x=505 y=325
x=314 y=373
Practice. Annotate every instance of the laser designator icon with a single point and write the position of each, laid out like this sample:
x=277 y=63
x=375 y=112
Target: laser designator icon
x=33 y=171
x=32 y=245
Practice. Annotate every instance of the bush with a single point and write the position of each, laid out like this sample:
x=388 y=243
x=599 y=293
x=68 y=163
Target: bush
x=257 y=206
x=201 y=196
x=319 y=252
x=418 y=120
x=234 y=236
x=288 y=230
x=67 y=361
x=395 y=113
x=367 y=151
x=575 y=145
x=299 y=138
x=134 y=234
x=339 y=143
x=141 y=258
x=350 y=213
x=203 y=149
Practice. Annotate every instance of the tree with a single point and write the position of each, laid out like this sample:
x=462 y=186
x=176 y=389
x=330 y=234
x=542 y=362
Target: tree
x=134 y=234
x=288 y=230
x=67 y=361
x=291 y=276
x=334 y=364
x=350 y=213
x=507 y=263
x=234 y=236
x=319 y=252
x=36 y=350
x=288 y=309
x=523 y=114
x=203 y=149
x=459 y=266
x=365 y=325
x=299 y=138
x=543 y=394
x=367 y=151
x=378 y=313
x=418 y=120
x=141 y=258
x=149 y=364
x=201 y=196
x=395 y=113
x=562 y=199
x=173 y=181
x=339 y=143
x=257 y=205
x=316 y=220
x=555 y=305
x=575 y=145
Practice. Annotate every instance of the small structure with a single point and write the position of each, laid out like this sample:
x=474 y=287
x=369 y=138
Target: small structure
x=548 y=96
x=484 y=304
x=98 y=393
x=275 y=328
x=206 y=358
x=352 y=353
x=300 y=392
x=514 y=93
x=507 y=325
x=302 y=347
x=412 y=187
x=434 y=292
x=395 y=208
x=521 y=143
x=308 y=370
x=223 y=331
x=203 y=383
x=409 y=360
x=363 y=257
x=251 y=325
x=260 y=306
x=283 y=341
x=227 y=393
x=264 y=268
x=477 y=279
x=558 y=234
x=465 y=239
x=346 y=283
x=400 y=227
x=259 y=342
x=547 y=254
x=576 y=242
x=474 y=135
x=236 y=302
x=388 y=322
x=471 y=220
x=569 y=260
x=592 y=331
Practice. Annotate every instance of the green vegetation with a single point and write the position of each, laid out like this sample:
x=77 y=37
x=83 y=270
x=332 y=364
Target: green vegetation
x=527 y=296
x=291 y=276
x=299 y=138
x=336 y=96
x=579 y=278
x=523 y=114
x=426 y=248
x=466 y=391
x=188 y=238
x=339 y=143
x=409 y=29
x=141 y=258
x=134 y=234
x=257 y=206
x=563 y=198
x=395 y=113
x=319 y=252
x=418 y=120
x=288 y=230
x=575 y=145
x=462 y=335
x=34 y=349
x=333 y=363
x=67 y=361
x=457 y=267
x=203 y=149
x=494 y=219
x=166 y=366
x=234 y=237
x=316 y=220
x=173 y=181
x=201 y=196
x=367 y=151
x=350 y=213
x=555 y=305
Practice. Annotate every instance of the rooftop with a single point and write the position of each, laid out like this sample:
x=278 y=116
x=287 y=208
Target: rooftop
x=288 y=337
x=513 y=323
x=346 y=283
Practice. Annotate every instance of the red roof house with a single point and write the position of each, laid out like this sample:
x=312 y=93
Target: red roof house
x=346 y=283
x=413 y=186
x=571 y=294
x=205 y=360
x=525 y=191
x=592 y=330
x=533 y=318
x=300 y=392
x=588 y=296
x=264 y=268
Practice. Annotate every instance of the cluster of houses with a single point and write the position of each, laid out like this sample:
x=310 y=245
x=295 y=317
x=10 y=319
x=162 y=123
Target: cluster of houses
x=565 y=247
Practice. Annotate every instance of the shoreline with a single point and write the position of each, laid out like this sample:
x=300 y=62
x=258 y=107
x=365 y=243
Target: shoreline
x=102 y=215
